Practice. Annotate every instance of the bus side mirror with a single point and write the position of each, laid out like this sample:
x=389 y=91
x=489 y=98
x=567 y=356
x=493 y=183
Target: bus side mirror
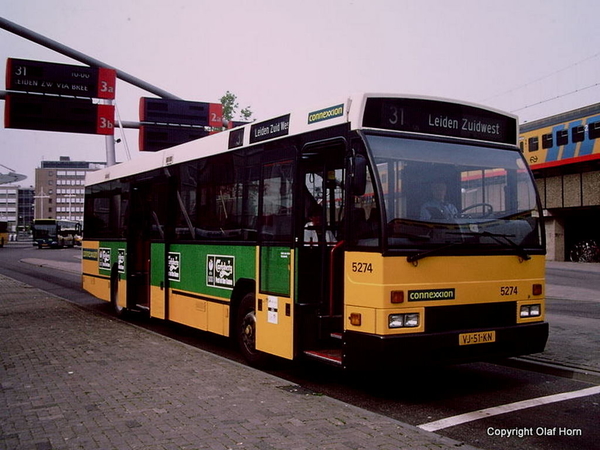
x=359 y=174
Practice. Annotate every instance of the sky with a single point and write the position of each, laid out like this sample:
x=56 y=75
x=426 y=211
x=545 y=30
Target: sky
x=534 y=58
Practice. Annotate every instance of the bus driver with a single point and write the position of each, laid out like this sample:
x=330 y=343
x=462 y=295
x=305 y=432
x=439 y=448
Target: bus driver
x=437 y=207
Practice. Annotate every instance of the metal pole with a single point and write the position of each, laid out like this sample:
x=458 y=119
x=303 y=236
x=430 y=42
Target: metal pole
x=111 y=157
x=14 y=28
x=81 y=57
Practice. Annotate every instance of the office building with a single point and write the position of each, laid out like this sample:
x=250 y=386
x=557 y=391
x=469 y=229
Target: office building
x=60 y=188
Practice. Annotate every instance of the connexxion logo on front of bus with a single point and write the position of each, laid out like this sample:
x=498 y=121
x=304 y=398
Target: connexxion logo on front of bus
x=440 y=118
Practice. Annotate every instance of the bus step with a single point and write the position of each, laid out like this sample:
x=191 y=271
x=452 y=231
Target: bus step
x=335 y=335
x=330 y=356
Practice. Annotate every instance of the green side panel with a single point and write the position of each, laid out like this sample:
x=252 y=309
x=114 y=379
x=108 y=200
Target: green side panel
x=275 y=270
x=208 y=269
x=157 y=266
x=110 y=253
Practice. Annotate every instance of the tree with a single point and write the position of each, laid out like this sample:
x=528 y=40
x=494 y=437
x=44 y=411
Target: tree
x=230 y=108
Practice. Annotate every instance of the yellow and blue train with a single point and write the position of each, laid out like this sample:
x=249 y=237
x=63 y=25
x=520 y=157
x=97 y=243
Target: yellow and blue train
x=567 y=138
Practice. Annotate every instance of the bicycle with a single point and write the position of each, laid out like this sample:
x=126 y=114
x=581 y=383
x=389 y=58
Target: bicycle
x=585 y=251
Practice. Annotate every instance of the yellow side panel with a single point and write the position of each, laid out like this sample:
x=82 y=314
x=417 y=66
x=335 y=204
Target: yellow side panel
x=198 y=313
x=98 y=287
x=89 y=262
x=157 y=302
x=188 y=311
x=275 y=325
x=275 y=318
x=92 y=282
x=218 y=318
x=121 y=293
x=89 y=267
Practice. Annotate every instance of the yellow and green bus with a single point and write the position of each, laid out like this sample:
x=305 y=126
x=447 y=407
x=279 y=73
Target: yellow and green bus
x=314 y=234
x=54 y=233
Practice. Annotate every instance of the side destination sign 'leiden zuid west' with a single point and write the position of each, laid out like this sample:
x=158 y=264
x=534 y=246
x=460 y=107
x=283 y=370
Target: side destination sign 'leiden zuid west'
x=61 y=79
x=270 y=129
x=440 y=118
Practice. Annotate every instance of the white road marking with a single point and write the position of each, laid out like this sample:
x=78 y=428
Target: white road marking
x=502 y=409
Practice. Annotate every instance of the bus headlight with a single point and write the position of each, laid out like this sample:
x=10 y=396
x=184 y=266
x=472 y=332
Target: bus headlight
x=531 y=310
x=409 y=320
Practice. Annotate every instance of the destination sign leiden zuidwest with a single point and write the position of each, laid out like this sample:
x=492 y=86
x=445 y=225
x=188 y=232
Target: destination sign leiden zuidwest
x=440 y=118
x=61 y=79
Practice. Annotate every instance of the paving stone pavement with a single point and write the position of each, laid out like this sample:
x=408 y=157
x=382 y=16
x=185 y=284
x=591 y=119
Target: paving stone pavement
x=74 y=379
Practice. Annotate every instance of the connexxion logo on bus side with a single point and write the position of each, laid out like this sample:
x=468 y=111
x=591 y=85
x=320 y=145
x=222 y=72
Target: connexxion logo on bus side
x=325 y=114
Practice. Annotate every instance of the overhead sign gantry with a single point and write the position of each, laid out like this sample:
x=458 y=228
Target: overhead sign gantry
x=59 y=97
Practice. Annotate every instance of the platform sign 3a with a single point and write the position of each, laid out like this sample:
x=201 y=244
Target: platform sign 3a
x=61 y=79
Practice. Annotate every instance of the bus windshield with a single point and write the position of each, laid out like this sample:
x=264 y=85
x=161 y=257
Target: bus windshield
x=441 y=194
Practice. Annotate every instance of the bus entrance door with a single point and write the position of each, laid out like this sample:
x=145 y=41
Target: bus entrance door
x=275 y=302
x=320 y=252
x=138 y=246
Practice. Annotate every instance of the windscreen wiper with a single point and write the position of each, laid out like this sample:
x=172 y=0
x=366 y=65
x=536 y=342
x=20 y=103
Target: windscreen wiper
x=411 y=236
x=497 y=237
x=433 y=251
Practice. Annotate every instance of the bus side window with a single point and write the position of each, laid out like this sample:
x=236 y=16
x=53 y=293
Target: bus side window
x=277 y=207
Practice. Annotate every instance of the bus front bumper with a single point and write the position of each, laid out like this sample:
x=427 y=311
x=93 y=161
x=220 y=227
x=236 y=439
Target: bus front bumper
x=373 y=352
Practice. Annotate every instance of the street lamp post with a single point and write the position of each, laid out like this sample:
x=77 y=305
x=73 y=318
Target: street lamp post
x=42 y=196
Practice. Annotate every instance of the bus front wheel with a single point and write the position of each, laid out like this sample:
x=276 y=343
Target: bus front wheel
x=246 y=332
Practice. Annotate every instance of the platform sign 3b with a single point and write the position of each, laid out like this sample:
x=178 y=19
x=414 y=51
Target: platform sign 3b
x=46 y=113
x=61 y=79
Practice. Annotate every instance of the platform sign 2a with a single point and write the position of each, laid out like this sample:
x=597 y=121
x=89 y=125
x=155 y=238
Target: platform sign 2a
x=180 y=112
x=169 y=122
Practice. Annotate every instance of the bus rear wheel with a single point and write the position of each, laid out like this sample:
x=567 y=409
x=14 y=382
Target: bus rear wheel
x=246 y=332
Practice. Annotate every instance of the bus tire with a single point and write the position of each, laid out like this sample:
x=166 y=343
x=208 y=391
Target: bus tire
x=118 y=310
x=246 y=332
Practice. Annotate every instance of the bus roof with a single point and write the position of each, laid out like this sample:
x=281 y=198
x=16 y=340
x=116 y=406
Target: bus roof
x=350 y=110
